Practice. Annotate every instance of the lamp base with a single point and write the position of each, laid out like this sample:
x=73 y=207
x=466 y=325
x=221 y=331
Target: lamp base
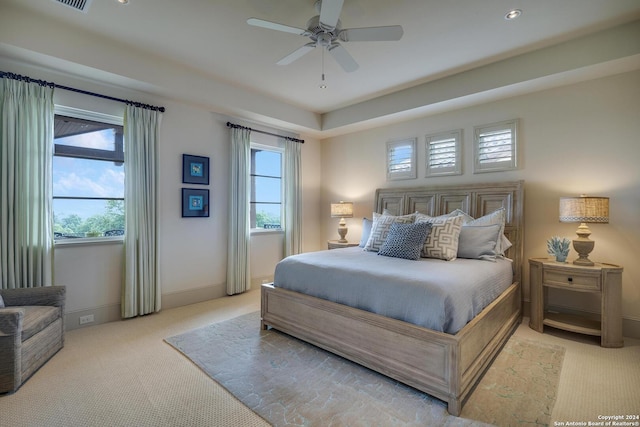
x=342 y=231
x=583 y=246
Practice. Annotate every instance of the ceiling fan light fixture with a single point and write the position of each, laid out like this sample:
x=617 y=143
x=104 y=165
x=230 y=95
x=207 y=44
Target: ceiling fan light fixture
x=513 y=14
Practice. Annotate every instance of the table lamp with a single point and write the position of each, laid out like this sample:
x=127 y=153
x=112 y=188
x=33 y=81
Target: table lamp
x=584 y=209
x=342 y=210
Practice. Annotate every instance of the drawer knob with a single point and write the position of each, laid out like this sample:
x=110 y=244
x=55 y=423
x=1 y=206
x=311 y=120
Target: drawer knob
x=570 y=279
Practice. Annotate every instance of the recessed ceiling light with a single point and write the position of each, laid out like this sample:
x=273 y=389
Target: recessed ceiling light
x=513 y=14
x=123 y=1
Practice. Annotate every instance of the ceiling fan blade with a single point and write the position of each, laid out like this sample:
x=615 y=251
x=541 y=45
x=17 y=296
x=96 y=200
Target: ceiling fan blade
x=297 y=54
x=371 y=34
x=343 y=57
x=330 y=12
x=278 y=27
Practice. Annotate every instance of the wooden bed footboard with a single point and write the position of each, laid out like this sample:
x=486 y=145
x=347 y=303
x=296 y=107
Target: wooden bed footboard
x=442 y=365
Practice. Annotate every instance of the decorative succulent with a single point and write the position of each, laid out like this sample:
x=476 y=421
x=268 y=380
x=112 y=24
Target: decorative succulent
x=558 y=246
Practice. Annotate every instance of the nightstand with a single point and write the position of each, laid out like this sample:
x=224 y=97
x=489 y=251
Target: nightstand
x=334 y=244
x=603 y=279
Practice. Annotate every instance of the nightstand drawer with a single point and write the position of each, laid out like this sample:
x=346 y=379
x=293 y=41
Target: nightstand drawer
x=566 y=279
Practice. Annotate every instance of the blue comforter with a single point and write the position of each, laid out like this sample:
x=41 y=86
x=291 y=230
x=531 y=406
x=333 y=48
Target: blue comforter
x=435 y=294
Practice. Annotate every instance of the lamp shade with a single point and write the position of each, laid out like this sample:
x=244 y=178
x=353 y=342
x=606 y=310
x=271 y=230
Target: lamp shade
x=584 y=209
x=342 y=210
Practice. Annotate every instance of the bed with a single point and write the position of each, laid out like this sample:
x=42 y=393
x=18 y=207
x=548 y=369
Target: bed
x=444 y=365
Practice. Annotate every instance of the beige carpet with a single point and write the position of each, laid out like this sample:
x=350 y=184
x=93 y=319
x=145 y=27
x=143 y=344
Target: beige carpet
x=124 y=374
x=289 y=382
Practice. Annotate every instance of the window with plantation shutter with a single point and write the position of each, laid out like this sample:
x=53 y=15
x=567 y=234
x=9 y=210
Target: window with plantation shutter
x=495 y=147
x=443 y=153
x=401 y=159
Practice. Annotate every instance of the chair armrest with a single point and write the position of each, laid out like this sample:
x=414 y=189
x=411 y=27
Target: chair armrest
x=44 y=295
x=11 y=321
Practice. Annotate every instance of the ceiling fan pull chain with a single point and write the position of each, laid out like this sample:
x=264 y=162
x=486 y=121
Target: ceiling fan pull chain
x=323 y=85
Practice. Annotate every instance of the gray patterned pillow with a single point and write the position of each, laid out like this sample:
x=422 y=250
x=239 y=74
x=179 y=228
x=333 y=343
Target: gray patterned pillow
x=1 y=302
x=405 y=240
x=442 y=242
x=380 y=229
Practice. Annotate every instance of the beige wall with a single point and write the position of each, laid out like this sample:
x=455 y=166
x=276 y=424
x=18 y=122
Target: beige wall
x=193 y=251
x=595 y=123
x=576 y=139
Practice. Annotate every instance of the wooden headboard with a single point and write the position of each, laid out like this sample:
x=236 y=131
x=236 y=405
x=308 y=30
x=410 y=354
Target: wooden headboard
x=475 y=199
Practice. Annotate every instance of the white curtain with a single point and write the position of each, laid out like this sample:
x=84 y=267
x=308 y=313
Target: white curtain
x=292 y=198
x=141 y=291
x=26 y=152
x=238 y=253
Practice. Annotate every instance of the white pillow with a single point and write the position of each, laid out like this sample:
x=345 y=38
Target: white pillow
x=380 y=229
x=496 y=217
x=478 y=241
x=442 y=241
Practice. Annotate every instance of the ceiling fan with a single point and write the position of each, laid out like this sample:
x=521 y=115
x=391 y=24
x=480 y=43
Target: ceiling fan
x=325 y=30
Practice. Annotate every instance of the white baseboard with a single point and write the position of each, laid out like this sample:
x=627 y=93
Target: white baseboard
x=104 y=314
x=192 y=296
x=112 y=313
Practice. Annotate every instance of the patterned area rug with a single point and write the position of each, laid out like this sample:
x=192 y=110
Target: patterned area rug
x=289 y=382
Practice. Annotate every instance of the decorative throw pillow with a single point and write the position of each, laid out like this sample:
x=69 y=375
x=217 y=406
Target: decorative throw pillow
x=380 y=229
x=496 y=217
x=366 y=232
x=478 y=241
x=405 y=240
x=1 y=302
x=442 y=241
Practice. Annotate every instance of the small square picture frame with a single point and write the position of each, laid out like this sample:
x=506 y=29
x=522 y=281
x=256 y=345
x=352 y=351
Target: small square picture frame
x=195 y=203
x=195 y=169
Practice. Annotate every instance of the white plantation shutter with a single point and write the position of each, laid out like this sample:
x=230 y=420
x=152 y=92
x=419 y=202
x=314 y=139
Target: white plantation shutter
x=495 y=147
x=443 y=153
x=401 y=159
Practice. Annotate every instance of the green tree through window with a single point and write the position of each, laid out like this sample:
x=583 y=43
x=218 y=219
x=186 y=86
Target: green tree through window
x=88 y=177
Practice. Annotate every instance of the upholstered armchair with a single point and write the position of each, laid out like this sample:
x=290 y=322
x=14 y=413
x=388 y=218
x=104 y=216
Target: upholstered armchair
x=31 y=332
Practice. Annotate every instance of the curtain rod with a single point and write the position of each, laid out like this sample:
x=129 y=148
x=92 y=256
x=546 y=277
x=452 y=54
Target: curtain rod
x=288 y=138
x=84 y=92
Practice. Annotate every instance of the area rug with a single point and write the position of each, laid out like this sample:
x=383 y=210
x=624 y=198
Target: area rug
x=291 y=383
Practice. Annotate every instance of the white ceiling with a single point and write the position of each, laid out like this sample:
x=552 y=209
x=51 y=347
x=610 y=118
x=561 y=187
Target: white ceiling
x=441 y=38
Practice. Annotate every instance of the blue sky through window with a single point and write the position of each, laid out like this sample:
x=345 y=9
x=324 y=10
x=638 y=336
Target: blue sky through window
x=78 y=177
x=268 y=183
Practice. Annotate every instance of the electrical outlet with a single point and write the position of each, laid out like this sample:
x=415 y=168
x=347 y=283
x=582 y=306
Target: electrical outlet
x=86 y=319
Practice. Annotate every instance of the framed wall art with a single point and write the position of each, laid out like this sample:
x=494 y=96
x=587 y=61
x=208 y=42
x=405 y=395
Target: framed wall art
x=195 y=169
x=195 y=203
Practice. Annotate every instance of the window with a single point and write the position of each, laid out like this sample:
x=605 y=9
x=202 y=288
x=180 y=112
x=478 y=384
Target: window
x=266 y=187
x=88 y=175
x=401 y=159
x=495 y=147
x=443 y=153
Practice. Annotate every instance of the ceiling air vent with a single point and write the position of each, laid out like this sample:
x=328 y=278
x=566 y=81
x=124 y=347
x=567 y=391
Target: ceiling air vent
x=79 y=5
